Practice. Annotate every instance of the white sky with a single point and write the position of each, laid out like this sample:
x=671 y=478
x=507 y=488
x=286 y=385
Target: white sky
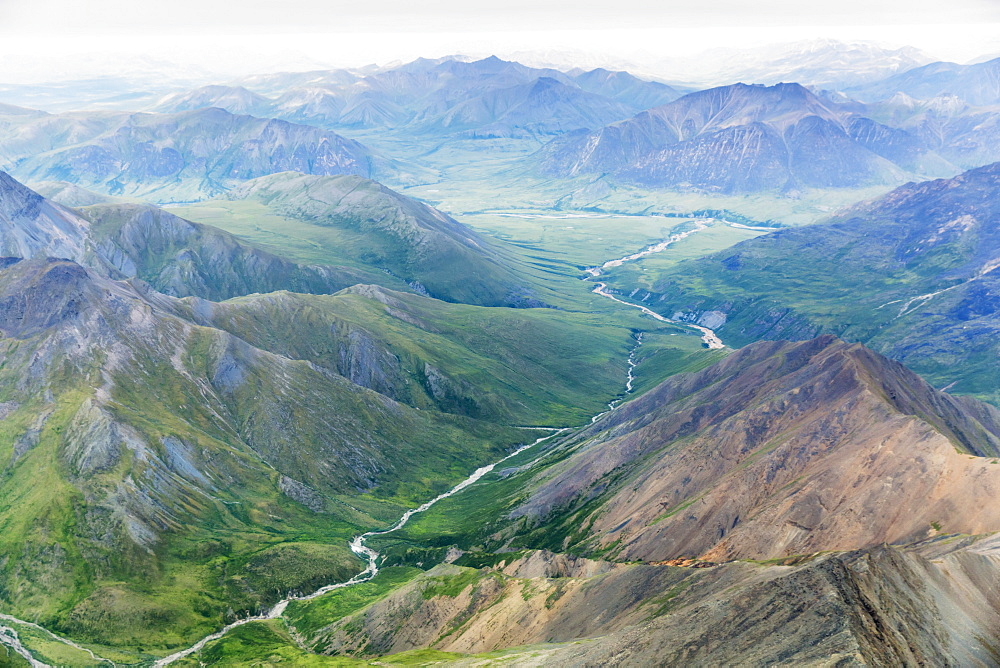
x=233 y=36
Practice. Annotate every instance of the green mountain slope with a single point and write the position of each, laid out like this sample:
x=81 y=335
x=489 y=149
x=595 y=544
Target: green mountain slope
x=912 y=274
x=169 y=463
x=517 y=366
x=181 y=258
x=342 y=232
x=347 y=220
x=158 y=472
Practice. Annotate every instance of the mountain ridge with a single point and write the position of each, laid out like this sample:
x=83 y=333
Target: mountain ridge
x=782 y=448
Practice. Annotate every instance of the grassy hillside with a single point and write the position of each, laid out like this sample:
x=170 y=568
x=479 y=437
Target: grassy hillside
x=516 y=366
x=346 y=220
x=161 y=473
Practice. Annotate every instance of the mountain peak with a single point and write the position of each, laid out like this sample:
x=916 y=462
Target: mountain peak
x=16 y=199
x=31 y=225
x=42 y=292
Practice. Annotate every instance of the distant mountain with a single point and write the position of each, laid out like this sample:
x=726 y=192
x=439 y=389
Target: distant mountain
x=914 y=274
x=542 y=107
x=963 y=134
x=488 y=97
x=171 y=157
x=743 y=139
x=626 y=88
x=274 y=83
x=234 y=99
x=780 y=449
x=977 y=84
x=315 y=105
x=70 y=195
x=824 y=63
x=198 y=143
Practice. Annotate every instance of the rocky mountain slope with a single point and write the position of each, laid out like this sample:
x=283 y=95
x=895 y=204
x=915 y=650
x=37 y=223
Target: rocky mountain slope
x=884 y=606
x=741 y=138
x=31 y=225
x=780 y=449
x=912 y=274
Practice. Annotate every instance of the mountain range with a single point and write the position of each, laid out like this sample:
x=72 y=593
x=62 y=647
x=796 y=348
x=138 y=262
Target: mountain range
x=744 y=138
x=822 y=63
x=923 y=121
x=976 y=84
x=204 y=457
x=488 y=97
x=293 y=415
x=374 y=235
x=171 y=157
x=349 y=220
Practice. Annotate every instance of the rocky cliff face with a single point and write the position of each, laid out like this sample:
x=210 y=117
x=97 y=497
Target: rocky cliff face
x=31 y=225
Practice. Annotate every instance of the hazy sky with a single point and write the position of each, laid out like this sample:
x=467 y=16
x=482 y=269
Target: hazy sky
x=231 y=34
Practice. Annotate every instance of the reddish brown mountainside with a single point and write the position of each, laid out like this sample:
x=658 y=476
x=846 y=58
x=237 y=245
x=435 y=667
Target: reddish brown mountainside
x=782 y=448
